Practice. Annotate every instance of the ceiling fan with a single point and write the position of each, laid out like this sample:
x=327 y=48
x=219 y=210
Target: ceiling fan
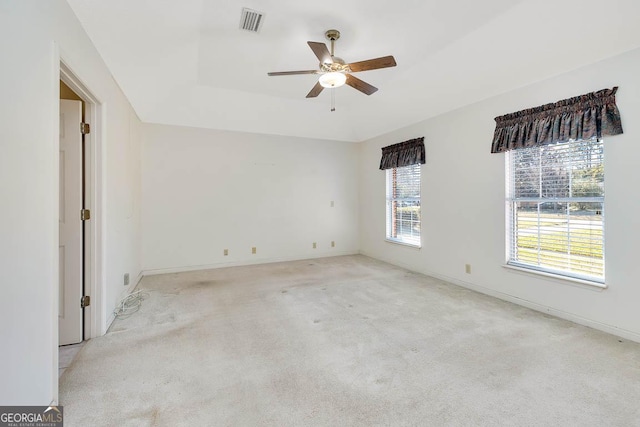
x=334 y=72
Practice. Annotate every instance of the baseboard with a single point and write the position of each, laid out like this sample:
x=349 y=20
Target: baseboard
x=613 y=330
x=109 y=321
x=136 y=282
x=153 y=272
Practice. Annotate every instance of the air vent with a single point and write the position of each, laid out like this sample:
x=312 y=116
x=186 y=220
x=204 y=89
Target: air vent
x=251 y=20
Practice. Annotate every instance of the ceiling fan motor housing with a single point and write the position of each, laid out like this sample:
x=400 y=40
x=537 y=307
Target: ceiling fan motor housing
x=338 y=66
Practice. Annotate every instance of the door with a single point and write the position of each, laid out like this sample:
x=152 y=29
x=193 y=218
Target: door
x=70 y=225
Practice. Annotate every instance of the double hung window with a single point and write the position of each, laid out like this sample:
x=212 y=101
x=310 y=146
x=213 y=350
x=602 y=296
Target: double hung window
x=403 y=204
x=555 y=208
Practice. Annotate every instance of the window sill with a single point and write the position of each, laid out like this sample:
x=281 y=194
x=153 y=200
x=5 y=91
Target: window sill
x=557 y=277
x=409 y=245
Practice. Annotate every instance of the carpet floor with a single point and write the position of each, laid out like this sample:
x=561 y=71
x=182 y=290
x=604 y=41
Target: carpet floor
x=344 y=341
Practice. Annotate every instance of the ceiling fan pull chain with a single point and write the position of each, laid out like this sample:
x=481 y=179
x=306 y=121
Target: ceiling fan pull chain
x=333 y=99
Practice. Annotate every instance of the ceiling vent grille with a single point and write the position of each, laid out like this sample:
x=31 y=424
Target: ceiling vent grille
x=251 y=20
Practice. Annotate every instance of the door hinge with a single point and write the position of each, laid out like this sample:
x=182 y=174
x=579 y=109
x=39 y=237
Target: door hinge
x=85 y=128
x=85 y=301
x=85 y=214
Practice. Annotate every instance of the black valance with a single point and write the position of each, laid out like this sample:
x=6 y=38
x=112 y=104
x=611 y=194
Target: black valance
x=405 y=153
x=582 y=117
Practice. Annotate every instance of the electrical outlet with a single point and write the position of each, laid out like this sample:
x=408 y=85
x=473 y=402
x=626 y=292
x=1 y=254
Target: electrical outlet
x=226 y=252
x=126 y=279
x=333 y=244
x=253 y=250
x=467 y=268
x=314 y=245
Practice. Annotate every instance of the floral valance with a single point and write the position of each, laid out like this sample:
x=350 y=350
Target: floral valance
x=405 y=153
x=593 y=115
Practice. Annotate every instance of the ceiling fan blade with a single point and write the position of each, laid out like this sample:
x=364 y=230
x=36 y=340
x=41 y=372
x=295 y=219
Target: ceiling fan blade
x=358 y=84
x=292 y=73
x=315 y=91
x=373 y=64
x=321 y=51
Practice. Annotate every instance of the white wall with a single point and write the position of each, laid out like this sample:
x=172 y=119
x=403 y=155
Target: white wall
x=463 y=190
x=205 y=191
x=31 y=35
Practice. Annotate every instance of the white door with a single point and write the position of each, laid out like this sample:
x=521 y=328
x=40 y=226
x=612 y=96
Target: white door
x=70 y=249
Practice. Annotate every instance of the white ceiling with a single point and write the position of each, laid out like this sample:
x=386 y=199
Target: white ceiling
x=187 y=62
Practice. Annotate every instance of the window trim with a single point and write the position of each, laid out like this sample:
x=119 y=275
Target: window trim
x=401 y=243
x=558 y=277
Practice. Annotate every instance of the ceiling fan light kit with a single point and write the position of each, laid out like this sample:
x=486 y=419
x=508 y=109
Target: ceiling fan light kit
x=335 y=72
x=333 y=79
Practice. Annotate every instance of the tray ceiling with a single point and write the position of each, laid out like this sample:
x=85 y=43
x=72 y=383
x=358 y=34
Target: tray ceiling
x=188 y=62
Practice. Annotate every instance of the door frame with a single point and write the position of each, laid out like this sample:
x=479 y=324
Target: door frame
x=93 y=243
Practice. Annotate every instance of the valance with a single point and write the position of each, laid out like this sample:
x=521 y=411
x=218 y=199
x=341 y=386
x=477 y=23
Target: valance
x=588 y=116
x=405 y=153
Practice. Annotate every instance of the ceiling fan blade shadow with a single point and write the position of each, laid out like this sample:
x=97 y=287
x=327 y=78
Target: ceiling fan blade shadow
x=315 y=91
x=360 y=85
x=373 y=64
x=321 y=51
x=292 y=73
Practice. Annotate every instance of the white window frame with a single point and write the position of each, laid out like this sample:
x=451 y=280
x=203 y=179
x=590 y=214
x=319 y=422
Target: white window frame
x=572 y=225
x=413 y=237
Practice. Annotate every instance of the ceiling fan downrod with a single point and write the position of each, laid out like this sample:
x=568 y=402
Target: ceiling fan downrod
x=332 y=36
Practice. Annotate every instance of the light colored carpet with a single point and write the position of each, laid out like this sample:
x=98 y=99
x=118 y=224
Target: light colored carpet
x=345 y=341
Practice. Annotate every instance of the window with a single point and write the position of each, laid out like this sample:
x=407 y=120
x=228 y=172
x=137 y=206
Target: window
x=555 y=209
x=403 y=204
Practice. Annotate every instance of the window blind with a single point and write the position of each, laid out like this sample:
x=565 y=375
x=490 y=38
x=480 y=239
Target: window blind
x=556 y=208
x=403 y=204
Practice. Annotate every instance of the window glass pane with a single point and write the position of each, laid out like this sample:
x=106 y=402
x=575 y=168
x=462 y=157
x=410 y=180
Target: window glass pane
x=555 y=167
x=407 y=221
x=526 y=173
